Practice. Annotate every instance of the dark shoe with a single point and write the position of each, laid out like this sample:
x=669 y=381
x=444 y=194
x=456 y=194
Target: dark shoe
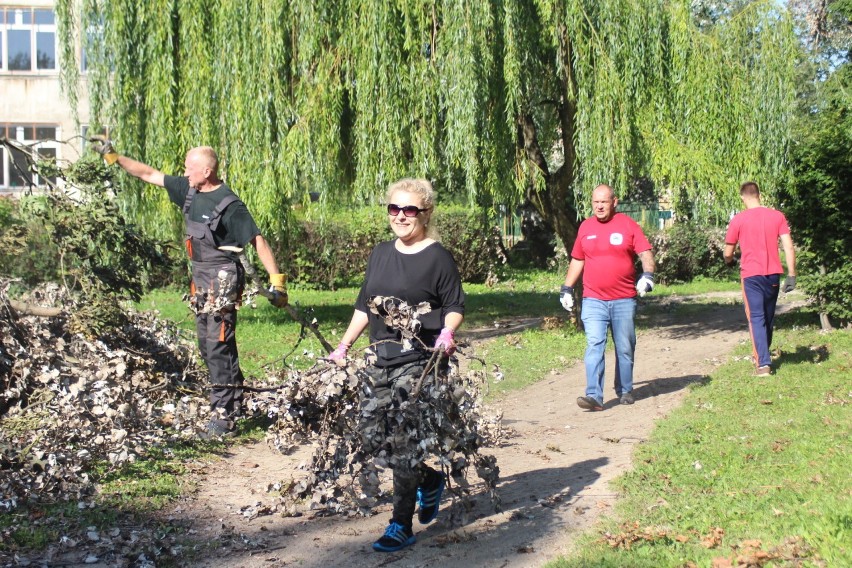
x=627 y=398
x=396 y=537
x=764 y=371
x=217 y=430
x=589 y=403
x=429 y=499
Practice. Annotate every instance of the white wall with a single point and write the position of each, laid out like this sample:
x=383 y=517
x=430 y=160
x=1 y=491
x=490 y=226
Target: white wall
x=35 y=98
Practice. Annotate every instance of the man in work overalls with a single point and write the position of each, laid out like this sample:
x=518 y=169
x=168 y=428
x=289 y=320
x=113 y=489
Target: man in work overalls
x=218 y=227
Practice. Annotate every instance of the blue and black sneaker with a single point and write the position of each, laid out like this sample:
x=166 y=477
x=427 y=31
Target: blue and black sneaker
x=396 y=537
x=429 y=498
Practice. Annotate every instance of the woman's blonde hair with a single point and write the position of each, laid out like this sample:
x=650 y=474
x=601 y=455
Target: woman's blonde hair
x=422 y=188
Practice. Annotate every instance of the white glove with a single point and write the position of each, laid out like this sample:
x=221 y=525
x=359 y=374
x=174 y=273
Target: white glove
x=566 y=297
x=646 y=283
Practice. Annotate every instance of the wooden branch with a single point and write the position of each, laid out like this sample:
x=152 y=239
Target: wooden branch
x=528 y=135
x=31 y=310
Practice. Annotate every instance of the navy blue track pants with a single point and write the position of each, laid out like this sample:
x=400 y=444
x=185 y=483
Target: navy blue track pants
x=760 y=294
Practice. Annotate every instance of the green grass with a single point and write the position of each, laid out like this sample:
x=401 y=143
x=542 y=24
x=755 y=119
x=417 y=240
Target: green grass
x=763 y=459
x=698 y=286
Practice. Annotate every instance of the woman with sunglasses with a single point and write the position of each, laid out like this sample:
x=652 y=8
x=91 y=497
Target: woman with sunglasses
x=412 y=268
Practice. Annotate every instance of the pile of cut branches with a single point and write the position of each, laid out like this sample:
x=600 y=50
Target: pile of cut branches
x=68 y=402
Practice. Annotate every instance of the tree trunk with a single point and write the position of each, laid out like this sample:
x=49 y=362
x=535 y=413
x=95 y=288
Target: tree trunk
x=556 y=202
x=824 y=322
x=537 y=246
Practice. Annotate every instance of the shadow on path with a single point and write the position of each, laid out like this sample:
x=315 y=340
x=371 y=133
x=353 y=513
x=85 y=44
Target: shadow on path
x=530 y=500
x=666 y=385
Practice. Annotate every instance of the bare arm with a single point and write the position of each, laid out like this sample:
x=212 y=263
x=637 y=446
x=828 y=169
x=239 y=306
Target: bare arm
x=646 y=257
x=264 y=253
x=142 y=171
x=357 y=324
x=789 y=254
x=728 y=253
x=574 y=271
x=453 y=320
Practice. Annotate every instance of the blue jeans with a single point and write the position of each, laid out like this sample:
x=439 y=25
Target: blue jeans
x=598 y=317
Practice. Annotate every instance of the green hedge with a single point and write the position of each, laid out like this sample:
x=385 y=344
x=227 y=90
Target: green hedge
x=332 y=252
x=687 y=250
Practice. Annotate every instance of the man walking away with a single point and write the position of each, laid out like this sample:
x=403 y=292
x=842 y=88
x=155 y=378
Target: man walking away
x=757 y=230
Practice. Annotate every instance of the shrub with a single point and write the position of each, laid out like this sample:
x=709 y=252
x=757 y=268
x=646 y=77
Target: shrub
x=827 y=285
x=333 y=252
x=475 y=242
x=688 y=250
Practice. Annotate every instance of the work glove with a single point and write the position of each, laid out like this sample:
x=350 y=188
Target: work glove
x=789 y=284
x=279 y=290
x=103 y=146
x=445 y=340
x=734 y=260
x=566 y=297
x=646 y=283
x=339 y=354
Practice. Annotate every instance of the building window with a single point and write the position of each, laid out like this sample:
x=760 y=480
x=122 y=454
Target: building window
x=94 y=35
x=16 y=174
x=27 y=39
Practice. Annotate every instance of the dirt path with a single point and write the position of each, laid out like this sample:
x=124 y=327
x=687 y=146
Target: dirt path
x=555 y=469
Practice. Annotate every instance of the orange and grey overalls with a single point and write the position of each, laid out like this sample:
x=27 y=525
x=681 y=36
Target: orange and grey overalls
x=217 y=285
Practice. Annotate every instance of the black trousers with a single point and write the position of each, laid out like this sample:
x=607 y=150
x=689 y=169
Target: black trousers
x=218 y=285
x=218 y=345
x=384 y=428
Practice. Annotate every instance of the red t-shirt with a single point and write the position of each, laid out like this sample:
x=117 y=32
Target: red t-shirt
x=757 y=230
x=609 y=250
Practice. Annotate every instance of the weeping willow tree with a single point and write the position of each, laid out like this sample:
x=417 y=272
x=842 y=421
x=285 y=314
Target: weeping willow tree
x=498 y=101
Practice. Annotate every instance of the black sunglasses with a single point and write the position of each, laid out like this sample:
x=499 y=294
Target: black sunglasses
x=408 y=210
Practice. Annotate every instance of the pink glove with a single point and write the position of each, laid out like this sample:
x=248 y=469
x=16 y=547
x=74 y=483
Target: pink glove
x=339 y=354
x=445 y=340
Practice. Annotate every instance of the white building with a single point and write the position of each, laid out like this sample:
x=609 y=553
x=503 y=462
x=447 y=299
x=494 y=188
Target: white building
x=32 y=108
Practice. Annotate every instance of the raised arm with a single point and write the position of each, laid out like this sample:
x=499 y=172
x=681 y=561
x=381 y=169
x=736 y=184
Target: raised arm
x=104 y=146
x=142 y=171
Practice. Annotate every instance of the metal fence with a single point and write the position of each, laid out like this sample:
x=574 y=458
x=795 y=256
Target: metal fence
x=648 y=217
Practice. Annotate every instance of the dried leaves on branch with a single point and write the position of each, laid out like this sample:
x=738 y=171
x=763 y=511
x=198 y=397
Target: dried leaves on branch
x=332 y=407
x=68 y=403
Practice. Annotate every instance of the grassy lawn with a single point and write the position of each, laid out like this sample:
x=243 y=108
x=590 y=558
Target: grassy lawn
x=749 y=469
